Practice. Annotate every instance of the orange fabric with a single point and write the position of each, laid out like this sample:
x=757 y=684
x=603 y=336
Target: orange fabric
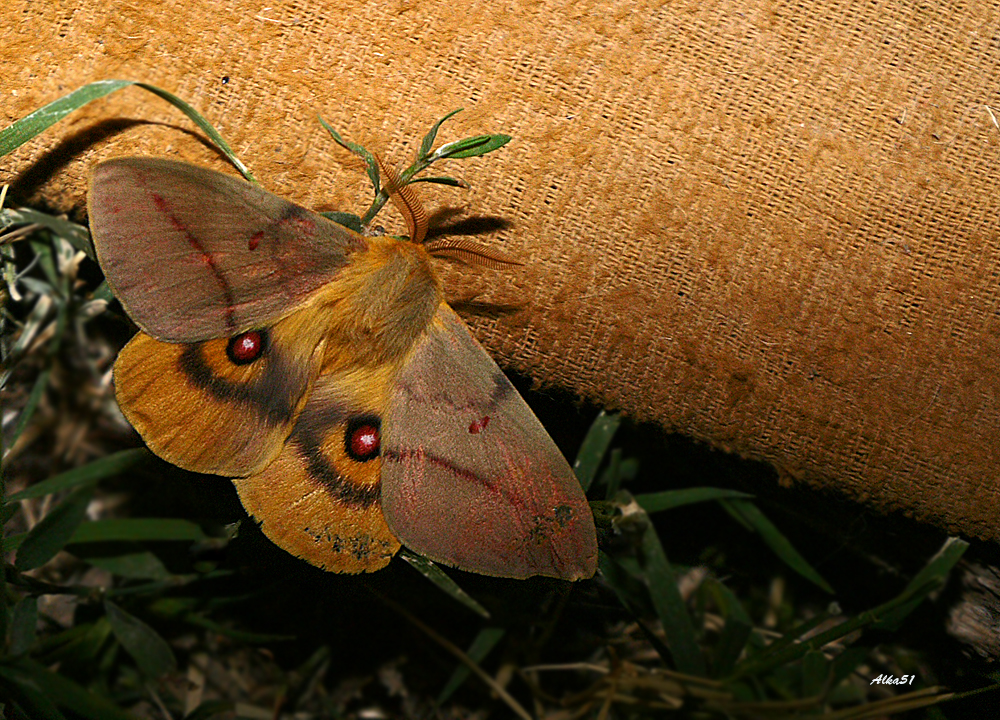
x=772 y=227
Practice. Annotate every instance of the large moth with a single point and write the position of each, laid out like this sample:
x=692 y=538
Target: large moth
x=323 y=371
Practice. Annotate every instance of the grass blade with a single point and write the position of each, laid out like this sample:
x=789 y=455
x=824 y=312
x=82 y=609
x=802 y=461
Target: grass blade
x=239 y=635
x=736 y=631
x=767 y=661
x=141 y=565
x=934 y=574
x=438 y=576
x=670 y=606
x=482 y=644
x=815 y=673
x=31 y=702
x=443 y=180
x=748 y=513
x=594 y=447
x=150 y=651
x=85 y=475
x=670 y=499
x=138 y=529
x=62 y=692
x=348 y=220
x=41 y=382
x=45 y=117
x=75 y=235
x=793 y=636
x=210 y=709
x=23 y=625
x=50 y=535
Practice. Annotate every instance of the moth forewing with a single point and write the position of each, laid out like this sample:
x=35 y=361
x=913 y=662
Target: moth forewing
x=194 y=254
x=470 y=478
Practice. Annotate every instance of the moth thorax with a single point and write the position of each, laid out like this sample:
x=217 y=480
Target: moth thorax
x=395 y=297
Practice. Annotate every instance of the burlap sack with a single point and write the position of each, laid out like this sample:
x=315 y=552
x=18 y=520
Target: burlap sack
x=769 y=226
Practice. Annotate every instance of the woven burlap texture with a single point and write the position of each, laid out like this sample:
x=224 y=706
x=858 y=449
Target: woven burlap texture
x=769 y=226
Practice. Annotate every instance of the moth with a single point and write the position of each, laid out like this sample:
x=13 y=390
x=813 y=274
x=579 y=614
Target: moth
x=323 y=371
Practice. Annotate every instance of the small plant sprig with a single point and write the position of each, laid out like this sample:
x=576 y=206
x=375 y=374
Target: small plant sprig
x=388 y=184
x=474 y=146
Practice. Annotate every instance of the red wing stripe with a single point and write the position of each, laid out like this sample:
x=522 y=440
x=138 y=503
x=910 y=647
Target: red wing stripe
x=494 y=488
x=206 y=257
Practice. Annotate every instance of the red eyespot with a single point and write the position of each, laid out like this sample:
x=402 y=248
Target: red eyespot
x=362 y=439
x=246 y=347
x=477 y=426
x=255 y=239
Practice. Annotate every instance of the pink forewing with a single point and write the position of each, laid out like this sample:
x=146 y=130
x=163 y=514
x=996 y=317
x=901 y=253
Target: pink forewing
x=194 y=254
x=470 y=478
